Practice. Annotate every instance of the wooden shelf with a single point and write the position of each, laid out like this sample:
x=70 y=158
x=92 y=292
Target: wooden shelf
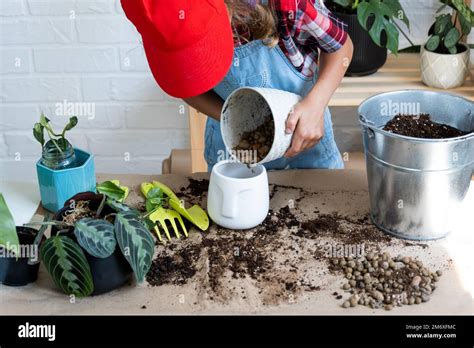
x=399 y=72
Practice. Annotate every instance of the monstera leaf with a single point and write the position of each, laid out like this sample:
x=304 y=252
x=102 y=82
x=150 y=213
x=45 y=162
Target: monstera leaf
x=382 y=12
x=136 y=243
x=96 y=236
x=67 y=265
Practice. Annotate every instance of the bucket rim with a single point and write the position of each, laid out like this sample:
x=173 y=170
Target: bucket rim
x=367 y=123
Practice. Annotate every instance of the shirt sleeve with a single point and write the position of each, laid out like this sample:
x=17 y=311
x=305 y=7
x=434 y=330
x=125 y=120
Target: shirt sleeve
x=315 y=23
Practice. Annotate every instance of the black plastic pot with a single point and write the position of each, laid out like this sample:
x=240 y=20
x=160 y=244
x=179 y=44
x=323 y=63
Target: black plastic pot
x=17 y=272
x=367 y=57
x=108 y=273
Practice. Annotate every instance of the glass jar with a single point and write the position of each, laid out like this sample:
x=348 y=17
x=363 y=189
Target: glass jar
x=55 y=159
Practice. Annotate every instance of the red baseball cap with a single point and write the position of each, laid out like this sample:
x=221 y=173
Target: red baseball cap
x=188 y=43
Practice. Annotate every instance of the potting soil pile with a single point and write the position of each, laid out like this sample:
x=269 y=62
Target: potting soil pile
x=421 y=126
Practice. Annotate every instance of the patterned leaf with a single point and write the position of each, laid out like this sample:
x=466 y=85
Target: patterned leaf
x=8 y=236
x=136 y=243
x=96 y=236
x=67 y=265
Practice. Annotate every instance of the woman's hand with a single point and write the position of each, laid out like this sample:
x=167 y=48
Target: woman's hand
x=306 y=123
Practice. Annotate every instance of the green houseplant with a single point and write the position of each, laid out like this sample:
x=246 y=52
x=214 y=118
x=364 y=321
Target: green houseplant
x=16 y=250
x=80 y=255
x=373 y=29
x=63 y=170
x=444 y=58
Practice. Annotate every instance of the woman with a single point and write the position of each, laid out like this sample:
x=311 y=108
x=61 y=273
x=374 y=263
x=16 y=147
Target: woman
x=293 y=45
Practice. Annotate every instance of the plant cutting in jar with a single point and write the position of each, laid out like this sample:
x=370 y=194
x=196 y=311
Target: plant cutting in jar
x=64 y=254
x=58 y=152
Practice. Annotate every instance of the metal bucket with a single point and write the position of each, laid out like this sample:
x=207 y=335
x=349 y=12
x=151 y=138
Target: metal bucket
x=417 y=185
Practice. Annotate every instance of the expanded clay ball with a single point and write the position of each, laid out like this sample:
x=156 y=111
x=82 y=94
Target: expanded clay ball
x=385 y=282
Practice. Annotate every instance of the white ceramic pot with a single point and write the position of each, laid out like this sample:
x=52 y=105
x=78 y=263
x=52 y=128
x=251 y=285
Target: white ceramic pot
x=444 y=71
x=238 y=197
x=246 y=108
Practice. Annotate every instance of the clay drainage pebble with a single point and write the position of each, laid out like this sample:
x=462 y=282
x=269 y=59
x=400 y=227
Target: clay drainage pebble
x=259 y=140
x=380 y=281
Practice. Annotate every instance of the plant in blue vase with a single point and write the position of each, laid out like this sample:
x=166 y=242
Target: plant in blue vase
x=63 y=170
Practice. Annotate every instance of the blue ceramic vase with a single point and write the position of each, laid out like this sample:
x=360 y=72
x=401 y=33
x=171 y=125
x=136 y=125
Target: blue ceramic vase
x=57 y=186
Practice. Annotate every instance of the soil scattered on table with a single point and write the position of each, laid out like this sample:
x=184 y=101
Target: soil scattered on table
x=257 y=141
x=421 y=126
x=278 y=256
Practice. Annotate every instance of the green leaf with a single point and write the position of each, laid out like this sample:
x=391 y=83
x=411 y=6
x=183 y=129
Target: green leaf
x=71 y=124
x=397 y=11
x=154 y=199
x=122 y=208
x=136 y=243
x=112 y=189
x=433 y=43
x=452 y=38
x=463 y=9
x=442 y=24
x=465 y=26
x=381 y=24
x=453 y=50
x=44 y=121
x=67 y=265
x=96 y=236
x=38 y=133
x=8 y=236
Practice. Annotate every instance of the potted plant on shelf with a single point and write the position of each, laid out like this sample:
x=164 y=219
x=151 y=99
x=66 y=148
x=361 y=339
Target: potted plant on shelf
x=373 y=30
x=62 y=170
x=19 y=262
x=97 y=243
x=444 y=58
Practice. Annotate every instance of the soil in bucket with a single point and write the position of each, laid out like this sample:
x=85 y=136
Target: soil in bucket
x=259 y=140
x=421 y=126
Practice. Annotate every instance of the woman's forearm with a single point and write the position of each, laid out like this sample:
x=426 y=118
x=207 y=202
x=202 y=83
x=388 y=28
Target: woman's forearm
x=208 y=103
x=332 y=68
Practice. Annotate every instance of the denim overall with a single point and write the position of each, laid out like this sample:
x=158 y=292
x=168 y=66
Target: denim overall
x=257 y=65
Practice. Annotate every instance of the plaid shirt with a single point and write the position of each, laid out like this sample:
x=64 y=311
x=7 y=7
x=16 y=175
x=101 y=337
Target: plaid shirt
x=304 y=26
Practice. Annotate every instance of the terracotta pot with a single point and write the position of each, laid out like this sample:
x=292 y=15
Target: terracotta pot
x=444 y=71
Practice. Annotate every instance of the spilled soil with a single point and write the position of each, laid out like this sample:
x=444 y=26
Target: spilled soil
x=277 y=257
x=421 y=126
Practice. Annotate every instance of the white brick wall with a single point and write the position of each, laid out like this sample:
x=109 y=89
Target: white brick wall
x=82 y=51
x=87 y=51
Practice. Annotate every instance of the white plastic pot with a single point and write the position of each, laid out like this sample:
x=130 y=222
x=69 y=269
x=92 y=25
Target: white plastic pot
x=246 y=108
